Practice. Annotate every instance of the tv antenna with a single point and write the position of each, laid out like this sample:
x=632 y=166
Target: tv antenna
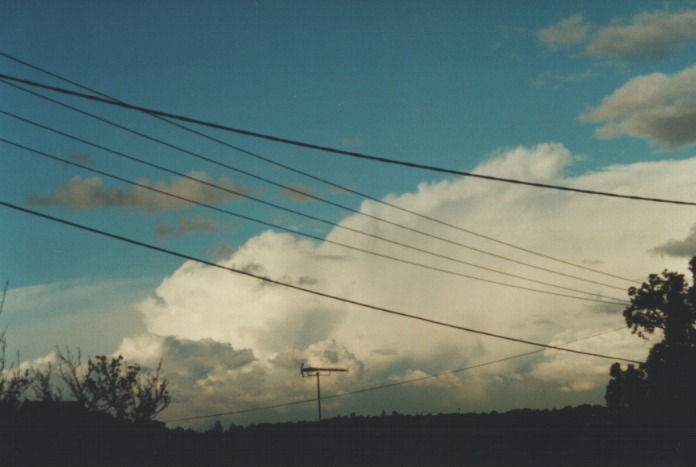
x=318 y=372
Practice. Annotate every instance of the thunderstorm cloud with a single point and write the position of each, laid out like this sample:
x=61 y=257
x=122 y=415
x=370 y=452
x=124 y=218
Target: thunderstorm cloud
x=233 y=343
x=283 y=327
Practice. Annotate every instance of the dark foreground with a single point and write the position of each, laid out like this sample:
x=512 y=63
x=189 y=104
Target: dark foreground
x=64 y=435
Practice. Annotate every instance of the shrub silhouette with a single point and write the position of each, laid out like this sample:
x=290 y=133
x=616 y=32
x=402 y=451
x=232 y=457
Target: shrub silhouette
x=112 y=386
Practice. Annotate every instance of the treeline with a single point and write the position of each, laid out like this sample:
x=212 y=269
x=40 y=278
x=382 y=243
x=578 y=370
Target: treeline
x=581 y=436
x=57 y=434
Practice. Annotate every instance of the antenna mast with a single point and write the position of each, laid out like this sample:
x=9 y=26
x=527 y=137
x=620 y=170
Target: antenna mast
x=318 y=372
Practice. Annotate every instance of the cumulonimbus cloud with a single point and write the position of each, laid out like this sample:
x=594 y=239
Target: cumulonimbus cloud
x=281 y=327
x=657 y=106
x=89 y=193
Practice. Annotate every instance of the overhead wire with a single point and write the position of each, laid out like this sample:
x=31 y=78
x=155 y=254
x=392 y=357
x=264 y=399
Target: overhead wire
x=603 y=299
x=348 y=301
x=381 y=386
x=300 y=288
x=343 y=152
x=328 y=182
x=315 y=218
x=293 y=211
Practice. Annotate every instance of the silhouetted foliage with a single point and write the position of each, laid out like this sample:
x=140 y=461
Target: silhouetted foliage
x=66 y=433
x=626 y=389
x=43 y=387
x=114 y=387
x=666 y=382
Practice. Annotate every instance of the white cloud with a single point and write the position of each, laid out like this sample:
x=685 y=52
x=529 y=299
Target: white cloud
x=206 y=375
x=79 y=193
x=656 y=106
x=279 y=328
x=231 y=342
x=648 y=36
x=567 y=32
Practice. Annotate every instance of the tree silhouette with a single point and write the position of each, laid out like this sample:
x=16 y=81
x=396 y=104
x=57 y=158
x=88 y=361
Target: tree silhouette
x=626 y=389
x=114 y=387
x=666 y=382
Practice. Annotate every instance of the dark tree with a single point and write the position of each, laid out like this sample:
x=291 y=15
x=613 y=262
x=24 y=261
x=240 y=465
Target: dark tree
x=666 y=382
x=626 y=389
x=114 y=387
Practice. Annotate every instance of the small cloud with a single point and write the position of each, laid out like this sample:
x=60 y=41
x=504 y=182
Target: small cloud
x=652 y=35
x=655 y=106
x=184 y=226
x=570 y=31
x=350 y=141
x=679 y=248
x=579 y=386
x=648 y=36
x=89 y=193
x=299 y=192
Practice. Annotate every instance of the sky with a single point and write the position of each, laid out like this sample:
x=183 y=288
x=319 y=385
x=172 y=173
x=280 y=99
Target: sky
x=314 y=246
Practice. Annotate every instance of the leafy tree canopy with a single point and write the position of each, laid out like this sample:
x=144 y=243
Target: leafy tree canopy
x=666 y=382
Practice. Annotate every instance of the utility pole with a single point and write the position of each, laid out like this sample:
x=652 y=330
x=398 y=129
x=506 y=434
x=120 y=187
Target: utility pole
x=318 y=372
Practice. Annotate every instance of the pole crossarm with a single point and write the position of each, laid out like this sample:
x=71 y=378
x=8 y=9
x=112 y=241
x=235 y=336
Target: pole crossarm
x=313 y=371
x=316 y=371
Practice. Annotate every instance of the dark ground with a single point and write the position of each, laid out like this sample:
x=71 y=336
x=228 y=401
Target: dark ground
x=45 y=434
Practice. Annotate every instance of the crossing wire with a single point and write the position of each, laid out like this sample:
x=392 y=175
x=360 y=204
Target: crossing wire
x=331 y=150
x=333 y=184
x=607 y=300
x=341 y=226
x=266 y=180
x=299 y=288
x=375 y=388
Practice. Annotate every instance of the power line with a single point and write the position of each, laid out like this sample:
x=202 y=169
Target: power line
x=607 y=300
x=331 y=150
x=266 y=180
x=244 y=195
x=382 y=386
x=332 y=184
x=306 y=290
x=341 y=187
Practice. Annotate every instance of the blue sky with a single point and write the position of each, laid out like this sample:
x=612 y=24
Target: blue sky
x=591 y=94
